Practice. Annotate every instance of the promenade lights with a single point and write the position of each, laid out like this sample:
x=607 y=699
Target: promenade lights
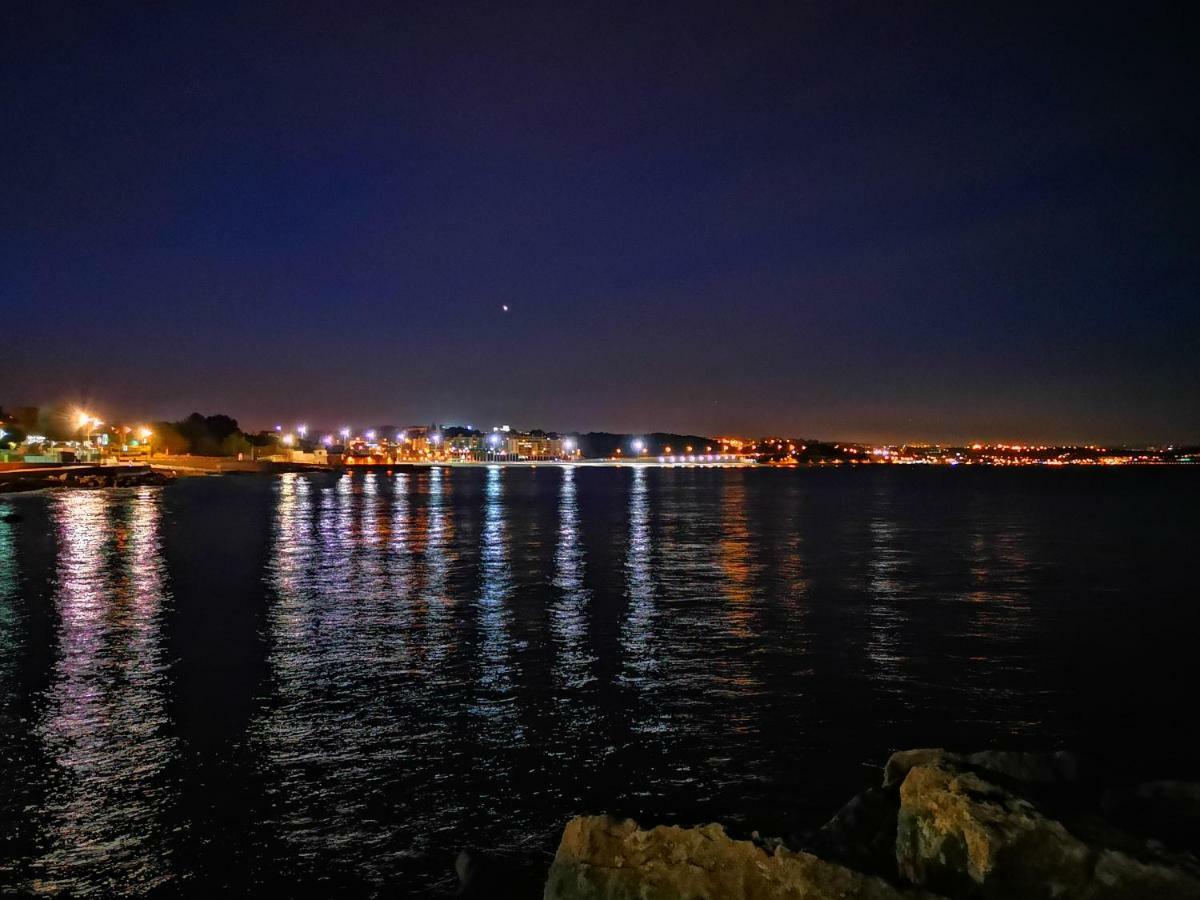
x=639 y=445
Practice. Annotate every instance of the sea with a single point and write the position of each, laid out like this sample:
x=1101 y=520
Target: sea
x=328 y=684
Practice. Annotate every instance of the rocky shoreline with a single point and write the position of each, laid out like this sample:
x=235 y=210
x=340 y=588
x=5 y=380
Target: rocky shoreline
x=89 y=477
x=939 y=824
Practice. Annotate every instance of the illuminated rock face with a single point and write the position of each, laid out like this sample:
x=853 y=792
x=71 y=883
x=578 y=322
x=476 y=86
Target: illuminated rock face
x=960 y=832
x=602 y=858
x=979 y=826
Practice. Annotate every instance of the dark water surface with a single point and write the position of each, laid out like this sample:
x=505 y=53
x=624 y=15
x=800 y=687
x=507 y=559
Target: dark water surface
x=330 y=684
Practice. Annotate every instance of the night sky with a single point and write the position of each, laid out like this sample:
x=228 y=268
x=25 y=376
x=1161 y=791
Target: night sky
x=868 y=221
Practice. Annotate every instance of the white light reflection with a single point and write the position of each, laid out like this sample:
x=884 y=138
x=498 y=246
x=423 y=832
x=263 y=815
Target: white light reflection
x=887 y=613
x=637 y=630
x=11 y=636
x=568 y=617
x=105 y=725
x=495 y=594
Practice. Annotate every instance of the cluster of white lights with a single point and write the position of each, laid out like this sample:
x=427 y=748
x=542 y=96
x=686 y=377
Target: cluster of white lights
x=709 y=457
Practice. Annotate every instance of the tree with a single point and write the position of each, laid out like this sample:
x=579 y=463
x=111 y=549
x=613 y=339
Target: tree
x=167 y=439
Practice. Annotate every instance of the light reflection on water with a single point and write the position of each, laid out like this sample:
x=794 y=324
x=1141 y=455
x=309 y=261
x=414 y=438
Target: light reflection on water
x=104 y=727
x=455 y=657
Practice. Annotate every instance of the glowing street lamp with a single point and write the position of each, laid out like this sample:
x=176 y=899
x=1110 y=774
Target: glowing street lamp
x=639 y=445
x=302 y=430
x=345 y=433
x=288 y=440
x=371 y=435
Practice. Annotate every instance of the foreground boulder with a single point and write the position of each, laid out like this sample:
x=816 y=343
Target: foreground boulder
x=976 y=826
x=963 y=832
x=602 y=858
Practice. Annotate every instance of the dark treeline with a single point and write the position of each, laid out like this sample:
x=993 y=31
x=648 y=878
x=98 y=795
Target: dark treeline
x=215 y=435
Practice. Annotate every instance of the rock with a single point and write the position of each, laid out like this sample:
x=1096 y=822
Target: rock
x=1027 y=768
x=965 y=835
x=1024 y=768
x=960 y=834
x=497 y=876
x=1118 y=876
x=862 y=834
x=900 y=762
x=1166 y=810
x=601 y=858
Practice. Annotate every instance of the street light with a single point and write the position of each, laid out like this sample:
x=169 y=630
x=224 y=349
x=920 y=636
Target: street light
x=302 y=430
x=639 y=445
x=345 y=433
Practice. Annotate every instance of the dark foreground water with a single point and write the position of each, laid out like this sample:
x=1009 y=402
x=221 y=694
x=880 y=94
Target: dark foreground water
x=329 y=684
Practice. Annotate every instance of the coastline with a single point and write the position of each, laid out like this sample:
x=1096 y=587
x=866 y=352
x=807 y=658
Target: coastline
x=937 y=825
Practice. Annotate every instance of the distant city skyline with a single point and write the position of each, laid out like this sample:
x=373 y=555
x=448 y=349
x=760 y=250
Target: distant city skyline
x=922 y=223
x=313 y=427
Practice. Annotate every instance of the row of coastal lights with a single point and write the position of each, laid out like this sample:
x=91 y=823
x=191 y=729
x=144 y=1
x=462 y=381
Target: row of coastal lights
x=301 y=433
x=371 y=436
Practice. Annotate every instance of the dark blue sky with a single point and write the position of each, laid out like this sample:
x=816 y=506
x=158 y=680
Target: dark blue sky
x=901 y=220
